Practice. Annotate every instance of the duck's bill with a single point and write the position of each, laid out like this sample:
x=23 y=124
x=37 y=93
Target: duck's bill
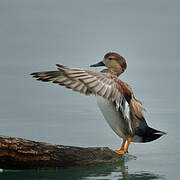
x=98 y=64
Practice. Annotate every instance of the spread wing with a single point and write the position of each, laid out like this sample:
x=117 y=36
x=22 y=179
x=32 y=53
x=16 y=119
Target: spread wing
x=83 y=81
x=97 y=83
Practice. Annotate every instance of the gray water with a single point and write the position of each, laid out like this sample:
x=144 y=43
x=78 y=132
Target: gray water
x=37 y=34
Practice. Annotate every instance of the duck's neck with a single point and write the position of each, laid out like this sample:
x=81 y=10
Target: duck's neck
x=108 y=71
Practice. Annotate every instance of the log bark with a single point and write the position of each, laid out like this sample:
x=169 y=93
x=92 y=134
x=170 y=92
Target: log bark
x=18 y=153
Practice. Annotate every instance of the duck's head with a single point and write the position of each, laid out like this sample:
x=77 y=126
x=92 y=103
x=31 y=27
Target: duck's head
x=114 y=62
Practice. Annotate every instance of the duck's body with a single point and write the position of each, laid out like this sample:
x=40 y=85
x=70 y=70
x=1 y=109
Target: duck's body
x=142 y=132
x=121 y=109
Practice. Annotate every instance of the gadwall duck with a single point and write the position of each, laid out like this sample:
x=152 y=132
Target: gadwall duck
x=115 y=98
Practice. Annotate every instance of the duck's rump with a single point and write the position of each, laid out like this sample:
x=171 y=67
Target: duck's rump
x=116 y=120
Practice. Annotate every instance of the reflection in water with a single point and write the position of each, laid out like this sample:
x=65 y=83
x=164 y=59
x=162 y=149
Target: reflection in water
x=115 y=171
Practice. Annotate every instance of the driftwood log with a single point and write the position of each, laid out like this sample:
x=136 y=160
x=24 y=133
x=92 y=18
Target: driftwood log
x=17 y=153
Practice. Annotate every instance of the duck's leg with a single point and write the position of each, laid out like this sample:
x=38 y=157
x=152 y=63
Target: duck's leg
x=122 y=145
x=122 y=150
x=127 y=145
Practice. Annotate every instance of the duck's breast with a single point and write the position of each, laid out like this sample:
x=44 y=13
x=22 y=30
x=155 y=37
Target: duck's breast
x=113 y=117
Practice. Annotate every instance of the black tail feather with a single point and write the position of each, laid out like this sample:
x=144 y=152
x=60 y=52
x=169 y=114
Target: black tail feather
x=151 y=134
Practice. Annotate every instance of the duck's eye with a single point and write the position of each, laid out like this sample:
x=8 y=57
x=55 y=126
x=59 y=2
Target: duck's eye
x=110 y=58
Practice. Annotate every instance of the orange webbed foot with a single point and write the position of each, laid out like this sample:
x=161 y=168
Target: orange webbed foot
x=119 y=151
x=124 y=150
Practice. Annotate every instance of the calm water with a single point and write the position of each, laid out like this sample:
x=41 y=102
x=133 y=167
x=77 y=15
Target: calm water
x=37 y=34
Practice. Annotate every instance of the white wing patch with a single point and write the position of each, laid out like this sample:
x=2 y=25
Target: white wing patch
x=127 y=115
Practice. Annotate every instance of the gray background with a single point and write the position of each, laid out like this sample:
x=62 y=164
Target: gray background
x=37 y=34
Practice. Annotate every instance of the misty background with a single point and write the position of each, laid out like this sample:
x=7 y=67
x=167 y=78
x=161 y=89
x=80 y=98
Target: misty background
x=37 y=34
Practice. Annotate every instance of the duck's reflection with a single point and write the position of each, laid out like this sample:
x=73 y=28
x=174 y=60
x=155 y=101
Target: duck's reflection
x=115 y=171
